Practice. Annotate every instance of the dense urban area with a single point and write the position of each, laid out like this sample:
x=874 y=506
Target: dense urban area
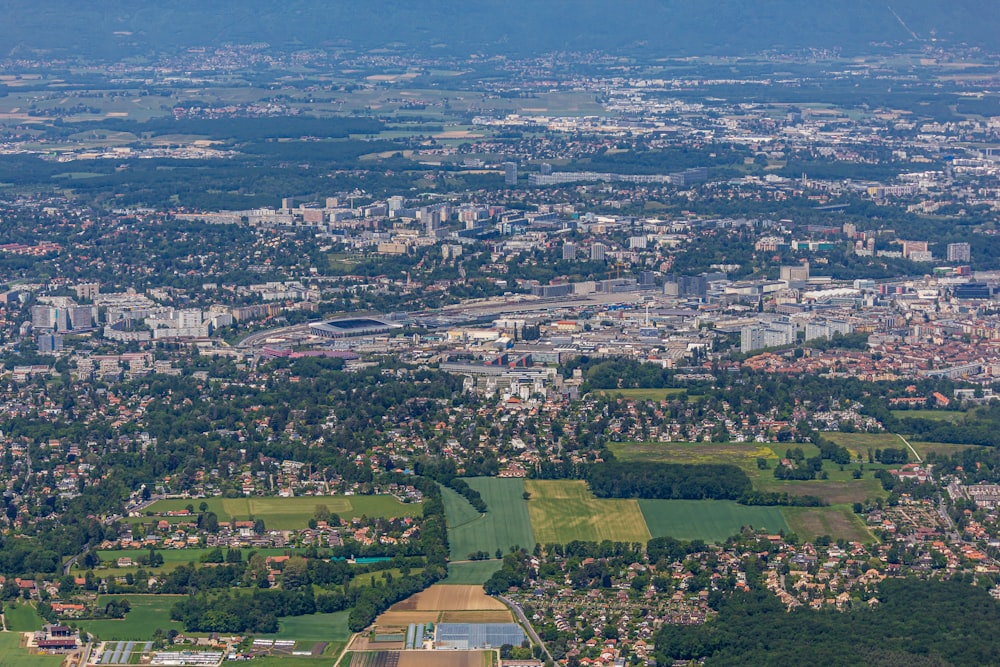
x=380 y=358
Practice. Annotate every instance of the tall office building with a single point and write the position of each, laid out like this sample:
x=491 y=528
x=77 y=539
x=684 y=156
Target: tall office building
x=959 y=252
x=569 y=250
x=597 y=252
x=510 y=173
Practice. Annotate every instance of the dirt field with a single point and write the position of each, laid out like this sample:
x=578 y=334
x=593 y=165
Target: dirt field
x=449 y=598
x=401 y=619
x=441 y=659
x=476 y=617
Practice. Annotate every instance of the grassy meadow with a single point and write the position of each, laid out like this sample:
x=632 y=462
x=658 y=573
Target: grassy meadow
x=709 y=520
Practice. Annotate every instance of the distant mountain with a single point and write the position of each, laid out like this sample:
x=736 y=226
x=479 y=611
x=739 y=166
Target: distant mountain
x=653 y=27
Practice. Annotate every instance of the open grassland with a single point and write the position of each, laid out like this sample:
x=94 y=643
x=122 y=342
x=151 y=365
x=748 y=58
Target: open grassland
x=292 y=513
x=565 y=510
x=743 y=454
x=943 y=448
x=21 y=617
x=313 y=628
x=643 y=394
x=471 y=572
x=148 y=613
x=505 y=524
x=937 y=415
x=840 y=488
x=709 y=520
x=12 y=655
x=837 y=522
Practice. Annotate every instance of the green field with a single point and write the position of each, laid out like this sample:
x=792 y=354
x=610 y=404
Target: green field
x=837 y=521
x=839 y=487
x=744 y=455
x=471 y=572
x=860 y=443
x=313 y=628
x=21 y=618
x=565 y=510
x=947 y=449
x=505 y=524
x=148 y=613
x=709 y=520
x=940 y=415
x=642 y=394
x=292 y=513
x=11 y=655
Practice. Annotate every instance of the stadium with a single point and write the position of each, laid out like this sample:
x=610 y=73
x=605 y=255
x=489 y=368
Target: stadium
x=352 y=327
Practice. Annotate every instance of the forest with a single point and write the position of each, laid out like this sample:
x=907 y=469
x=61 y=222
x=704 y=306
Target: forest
x=922 y=623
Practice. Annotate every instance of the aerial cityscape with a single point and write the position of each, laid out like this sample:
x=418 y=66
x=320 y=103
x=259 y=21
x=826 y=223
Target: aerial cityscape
x=515 y=335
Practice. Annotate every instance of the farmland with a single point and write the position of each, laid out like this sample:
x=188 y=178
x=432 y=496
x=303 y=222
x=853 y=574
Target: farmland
x=148 y=613
x=443 y=601
x=565 y=510
x=471 y=572
x=21 y=618
x=293 y=513
x=505 y=524
x=837 y=522
x=11 y=655
x=709 y=520
x=313 y=628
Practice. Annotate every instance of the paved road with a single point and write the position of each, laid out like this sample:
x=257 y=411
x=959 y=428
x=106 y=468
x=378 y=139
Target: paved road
x=519 y=613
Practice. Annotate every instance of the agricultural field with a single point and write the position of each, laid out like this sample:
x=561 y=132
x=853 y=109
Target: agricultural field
x=148 y=613
x=293 y=661
x=505 y=524
x=840 y=488
x=442 y=600
x=292 y=513
x=313 y=628
x=709 y=520
x=471 y=572
x=565 y=510
x=12 y=655
x=364 y=658
x=21 y=617
x=837 y=522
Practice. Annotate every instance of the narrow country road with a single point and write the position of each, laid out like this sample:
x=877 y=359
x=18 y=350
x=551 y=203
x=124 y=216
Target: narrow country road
x=519 y=613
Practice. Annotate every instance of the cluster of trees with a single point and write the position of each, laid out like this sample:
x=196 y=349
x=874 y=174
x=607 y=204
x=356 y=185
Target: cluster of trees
x=254 y=611
x=891 y=456
x=781 y=498
x=917 y=623
x=668 y=480
x=462 y=487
